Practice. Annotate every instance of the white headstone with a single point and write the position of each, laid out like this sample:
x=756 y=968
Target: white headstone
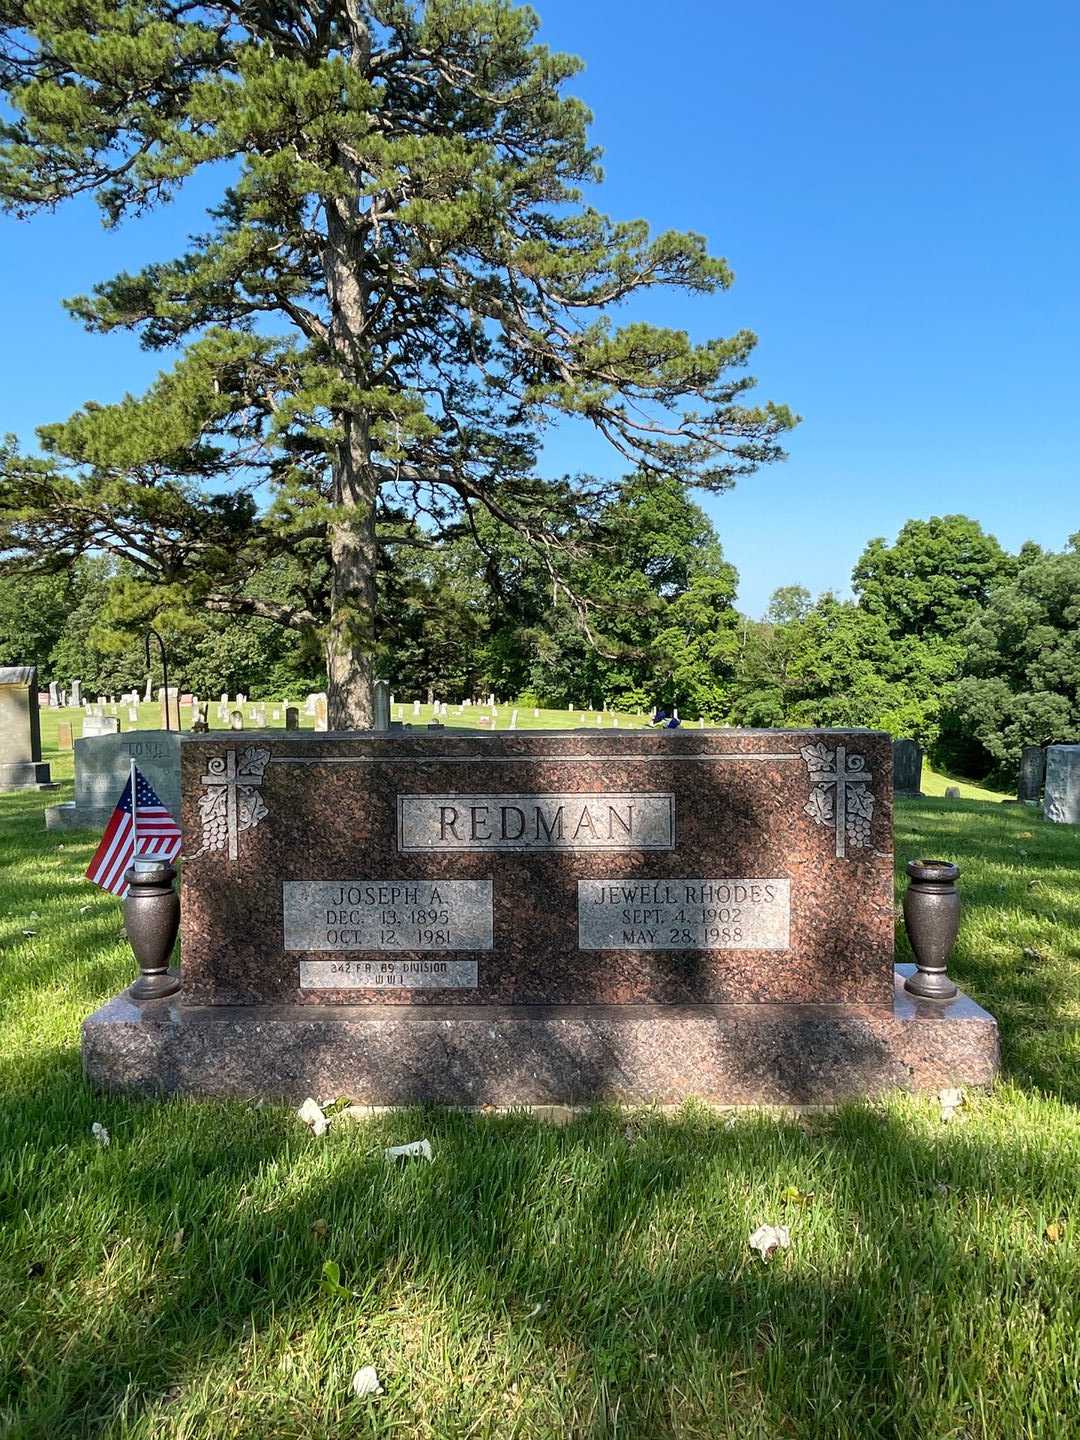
x=513 y=720
x=100 y=725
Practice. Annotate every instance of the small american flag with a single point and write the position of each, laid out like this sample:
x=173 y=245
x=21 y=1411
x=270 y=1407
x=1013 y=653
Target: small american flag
x=158 y=836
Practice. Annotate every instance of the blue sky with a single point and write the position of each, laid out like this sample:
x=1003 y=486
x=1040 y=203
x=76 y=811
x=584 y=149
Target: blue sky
x=897 y=187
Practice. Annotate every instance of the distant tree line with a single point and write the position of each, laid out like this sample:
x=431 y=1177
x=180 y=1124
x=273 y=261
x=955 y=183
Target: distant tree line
x=950 y=639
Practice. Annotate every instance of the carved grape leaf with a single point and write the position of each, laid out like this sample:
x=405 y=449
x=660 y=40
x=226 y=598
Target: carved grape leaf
x=818 y=757
x=819 y=806
x=860 y=801
x=249 y=807
x=252 y=764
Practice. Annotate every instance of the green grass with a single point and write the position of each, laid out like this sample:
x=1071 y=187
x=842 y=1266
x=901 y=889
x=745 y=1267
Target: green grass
x=936 y=782
x=537 y=1281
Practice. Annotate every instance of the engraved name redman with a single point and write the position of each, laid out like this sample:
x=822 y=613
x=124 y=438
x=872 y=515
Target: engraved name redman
x=537 y=822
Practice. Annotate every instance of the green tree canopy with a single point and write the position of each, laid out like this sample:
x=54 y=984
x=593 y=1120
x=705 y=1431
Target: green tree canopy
x=933 y=579
x=836 y=663
x=33 y=611
x=1020 y=681
x=399 y=286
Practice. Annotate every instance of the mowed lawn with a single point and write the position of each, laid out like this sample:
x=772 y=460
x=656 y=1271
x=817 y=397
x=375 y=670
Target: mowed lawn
x=534 y=1280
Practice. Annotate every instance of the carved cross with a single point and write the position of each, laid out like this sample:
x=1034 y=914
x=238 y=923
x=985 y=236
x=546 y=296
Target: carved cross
x=231 y=801
x=852 y=801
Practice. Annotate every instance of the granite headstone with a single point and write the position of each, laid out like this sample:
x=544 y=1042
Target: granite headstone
x=536 y=917
x=94 y=725
x=21 y=766
x=1032 y=776
x=907 y=767
x=1061 y=798
x=102 y=767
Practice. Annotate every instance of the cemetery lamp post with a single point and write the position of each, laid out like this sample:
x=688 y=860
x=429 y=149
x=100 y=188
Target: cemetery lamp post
x=164 y=675
x=932 y=918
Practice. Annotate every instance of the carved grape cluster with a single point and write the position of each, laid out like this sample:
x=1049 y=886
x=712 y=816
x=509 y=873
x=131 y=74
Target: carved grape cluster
x=214 y=801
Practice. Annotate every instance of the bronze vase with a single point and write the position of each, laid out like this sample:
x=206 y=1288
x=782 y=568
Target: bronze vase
x=151 y=919
x=932 y=918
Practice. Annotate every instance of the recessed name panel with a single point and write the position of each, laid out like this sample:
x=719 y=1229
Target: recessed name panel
x=684 y=914
x=387 y=915
x=614 y=820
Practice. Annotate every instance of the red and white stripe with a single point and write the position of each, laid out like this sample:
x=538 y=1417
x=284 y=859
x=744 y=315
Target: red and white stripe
x=158 y=837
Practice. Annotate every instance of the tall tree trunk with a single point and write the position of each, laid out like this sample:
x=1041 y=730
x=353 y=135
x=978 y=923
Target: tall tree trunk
x=350 y=638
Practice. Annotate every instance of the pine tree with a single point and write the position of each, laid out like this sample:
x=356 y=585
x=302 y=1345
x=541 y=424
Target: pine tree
x=400 y=286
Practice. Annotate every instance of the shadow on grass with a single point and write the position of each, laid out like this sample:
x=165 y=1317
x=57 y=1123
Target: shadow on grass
x=608 y=1279
x=604 y=1276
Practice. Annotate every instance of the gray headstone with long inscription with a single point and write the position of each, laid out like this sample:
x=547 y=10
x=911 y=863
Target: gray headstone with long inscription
x=1061 y=799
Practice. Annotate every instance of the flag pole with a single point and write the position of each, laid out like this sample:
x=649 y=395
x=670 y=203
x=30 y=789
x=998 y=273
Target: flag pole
x=134 y=817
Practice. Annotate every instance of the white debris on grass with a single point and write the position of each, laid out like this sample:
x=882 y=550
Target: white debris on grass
x=100 y=1134
x=366 y=1382
x=767 y=1238
x=417 y=1150
x=950 y=1102
x=311 y=1114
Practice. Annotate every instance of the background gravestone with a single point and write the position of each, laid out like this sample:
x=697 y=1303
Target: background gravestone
x=907 y=760
x=170 y=708
x=102 y=767
x=321 y=722
x=21 y=766
x=1029 y=789
x=1061 y=801
x=94 y=725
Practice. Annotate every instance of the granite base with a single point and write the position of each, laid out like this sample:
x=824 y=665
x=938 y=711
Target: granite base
x=70 y=816
x=542 y=1055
